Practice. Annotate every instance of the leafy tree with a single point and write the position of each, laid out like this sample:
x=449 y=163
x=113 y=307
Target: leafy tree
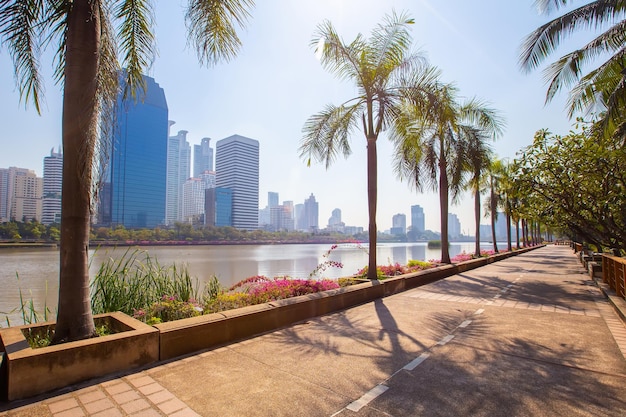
x=575 y=185
x=386 y=73
x=431 y=142
x=87 y=35
x=604 y=85
x=495 y=199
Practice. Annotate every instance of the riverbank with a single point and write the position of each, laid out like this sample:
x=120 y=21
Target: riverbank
x=37 y=245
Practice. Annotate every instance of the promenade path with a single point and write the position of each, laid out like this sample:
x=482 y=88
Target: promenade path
x=531 y=335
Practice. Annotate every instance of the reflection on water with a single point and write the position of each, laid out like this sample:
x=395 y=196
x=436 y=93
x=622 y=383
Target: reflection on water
x=38 y=269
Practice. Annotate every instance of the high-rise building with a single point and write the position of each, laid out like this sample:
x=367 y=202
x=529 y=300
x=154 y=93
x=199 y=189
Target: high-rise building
x=272 y=199
x=52 y=185
x=398 y=224
x=137 y=176
x=4 y=195
x=237 y=168
x=27 y=195
x=194 y=197
x=202 y=157
x=334 y=222
x=178 y=169
x=311 y=213
x=218 y=207
x=417 y=219
x=454 y=226
x=21 y=194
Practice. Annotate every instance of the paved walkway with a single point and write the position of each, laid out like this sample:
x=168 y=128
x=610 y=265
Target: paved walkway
x=527 y=336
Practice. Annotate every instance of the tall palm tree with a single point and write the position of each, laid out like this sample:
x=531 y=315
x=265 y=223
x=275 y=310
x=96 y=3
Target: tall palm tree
x=88 y=67
x=385 y=73
x=495 y=199
x=478 y=159
x=604 y=85
x=431 y=142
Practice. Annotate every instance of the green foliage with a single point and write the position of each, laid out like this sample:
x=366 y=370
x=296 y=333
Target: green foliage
x=227 y=301
x=574 y=184
x=419 y=264
x=169 y=308
x=131 y=283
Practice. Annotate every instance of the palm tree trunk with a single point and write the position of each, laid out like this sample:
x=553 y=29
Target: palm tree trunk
x=509 y=246
x=443 y=210
x=517 y=233
x=80 y=117
x=477 y=219
x=372 y=195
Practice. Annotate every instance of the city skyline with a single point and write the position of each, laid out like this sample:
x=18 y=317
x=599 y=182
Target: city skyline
x=275 y=83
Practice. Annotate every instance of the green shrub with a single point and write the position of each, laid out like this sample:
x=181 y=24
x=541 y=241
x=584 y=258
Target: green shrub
x=227 y=301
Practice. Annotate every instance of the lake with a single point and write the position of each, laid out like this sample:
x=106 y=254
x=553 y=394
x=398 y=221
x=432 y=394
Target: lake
x=35 y=271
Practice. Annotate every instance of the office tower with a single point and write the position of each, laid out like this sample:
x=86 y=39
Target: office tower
x=178 y=169
x=417 y=219
x=138 y=167
x=202 y=157
x=272 y=199
x=299 y=219
x=237 y=168
x=52 y=185
x=26 y=195
x=21 y=193
x=4 y=195
x=311 y=213
x=218 y=207
x=334 y=223
x=398 y=224
x=281 y=217
x=454 y=226
x=194 y=197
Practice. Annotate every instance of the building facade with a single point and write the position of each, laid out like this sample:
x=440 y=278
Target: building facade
x=311 y=214
x=21 y=194
x=137 y=172
x=178 y=169
x=237 y=169
x=202 y=157
x=398 y=224
x=418 y=223
x=454 y=226
x=52 y=187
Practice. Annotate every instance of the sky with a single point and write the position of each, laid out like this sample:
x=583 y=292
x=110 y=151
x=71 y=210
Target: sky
x=276 y=83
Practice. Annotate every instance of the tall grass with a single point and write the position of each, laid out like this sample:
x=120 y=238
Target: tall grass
x=137 y=280
x=27 y=309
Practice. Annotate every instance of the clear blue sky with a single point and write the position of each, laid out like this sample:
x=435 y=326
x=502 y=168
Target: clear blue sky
x=276 y=83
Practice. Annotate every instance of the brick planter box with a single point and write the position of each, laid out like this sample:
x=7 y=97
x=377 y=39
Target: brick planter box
x=28 y=372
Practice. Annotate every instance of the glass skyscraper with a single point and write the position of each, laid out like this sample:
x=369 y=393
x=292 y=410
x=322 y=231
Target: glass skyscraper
x=136 y=189
x=237 y=168
x=202 y=157
x=52 y=185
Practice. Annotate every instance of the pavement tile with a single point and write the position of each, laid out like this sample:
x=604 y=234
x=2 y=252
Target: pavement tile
x=151 y=388
x=146 y=413
x=126 y=396
x=72 y=412
x=121 y=386
x=100 y=405
x=136 y=405
x=172 y=405
x=91 y=396
x=113 y=412
x=65 y=404
x=140 y=380
x=185 y=412
x=161 y=396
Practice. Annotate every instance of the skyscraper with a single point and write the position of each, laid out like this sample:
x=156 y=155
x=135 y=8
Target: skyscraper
x=237 y=168
x=52 y=185
x=138 y=166
x=398 y=224
x=311 y=213
x=454 y=226
x=20 y=194
x=417 y=219
x=202 y=157
x=178 y=169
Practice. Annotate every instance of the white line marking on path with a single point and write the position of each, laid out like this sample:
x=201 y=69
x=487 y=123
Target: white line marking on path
x=445 y=339
x=479 y=311
x=367 y=397
x=465 y=324
x=497 y=296
x=415 y=362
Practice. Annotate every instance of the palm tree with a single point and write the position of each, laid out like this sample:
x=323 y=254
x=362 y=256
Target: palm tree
x=495 y=200
x=88 y=67
x=431 y=142
x=385 y=73
x=603 y=86
x=478 y=158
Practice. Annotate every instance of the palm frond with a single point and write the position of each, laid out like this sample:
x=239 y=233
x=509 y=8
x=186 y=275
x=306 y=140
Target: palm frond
x=326 y=134
x=545 y=39
x=137 y=42
x=390 y=42
x=212 y=27
x=20 y=29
